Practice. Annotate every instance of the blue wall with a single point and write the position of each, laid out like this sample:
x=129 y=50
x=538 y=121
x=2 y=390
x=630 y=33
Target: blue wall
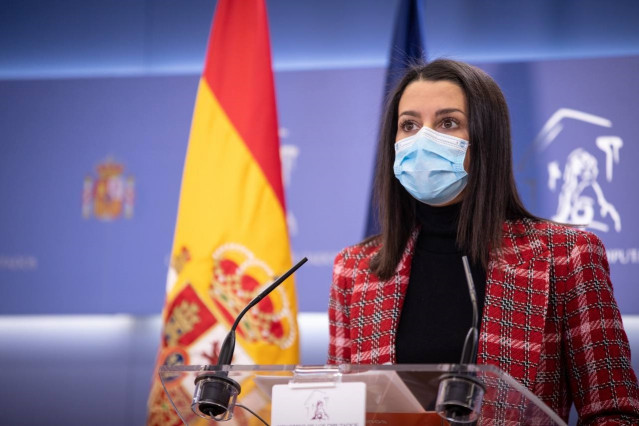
x=123 y=37
x=327 y=118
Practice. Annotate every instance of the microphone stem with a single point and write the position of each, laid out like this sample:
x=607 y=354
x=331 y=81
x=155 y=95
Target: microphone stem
x=228 y=346
x=267 y=291
x=469 y=352
x=471 y=290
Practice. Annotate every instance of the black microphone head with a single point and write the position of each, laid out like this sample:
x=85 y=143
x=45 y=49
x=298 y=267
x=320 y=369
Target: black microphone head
x=459 y=398
x=215 y=395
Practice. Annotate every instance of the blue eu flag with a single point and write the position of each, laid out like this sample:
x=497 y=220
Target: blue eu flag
x=407 y=48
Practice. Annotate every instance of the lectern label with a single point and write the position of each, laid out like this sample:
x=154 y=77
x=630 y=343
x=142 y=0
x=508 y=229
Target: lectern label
x=341 y=404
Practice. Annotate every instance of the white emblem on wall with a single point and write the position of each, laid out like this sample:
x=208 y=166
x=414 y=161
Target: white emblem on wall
x=581 y=199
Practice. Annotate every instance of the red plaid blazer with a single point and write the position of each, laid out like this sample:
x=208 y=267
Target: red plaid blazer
x=550 y=319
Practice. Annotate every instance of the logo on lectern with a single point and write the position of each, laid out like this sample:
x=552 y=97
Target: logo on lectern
x=316 y=405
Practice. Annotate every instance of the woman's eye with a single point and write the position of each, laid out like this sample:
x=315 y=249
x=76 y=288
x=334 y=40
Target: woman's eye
x=449 y=123
x=408 y=126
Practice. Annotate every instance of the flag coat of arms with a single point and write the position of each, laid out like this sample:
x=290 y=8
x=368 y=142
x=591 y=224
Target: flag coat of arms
x=231 y=239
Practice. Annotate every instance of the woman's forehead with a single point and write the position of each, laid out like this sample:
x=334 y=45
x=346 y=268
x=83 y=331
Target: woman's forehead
x=427 y=95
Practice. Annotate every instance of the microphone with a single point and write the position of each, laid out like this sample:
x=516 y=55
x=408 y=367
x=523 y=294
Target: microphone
x=215 y=393
x=460 y=393
x=469 y=352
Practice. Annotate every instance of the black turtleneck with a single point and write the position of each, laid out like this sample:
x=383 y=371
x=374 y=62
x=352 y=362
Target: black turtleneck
x=437 y=311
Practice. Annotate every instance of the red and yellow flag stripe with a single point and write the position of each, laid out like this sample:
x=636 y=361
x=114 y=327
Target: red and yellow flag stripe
x=231 y=237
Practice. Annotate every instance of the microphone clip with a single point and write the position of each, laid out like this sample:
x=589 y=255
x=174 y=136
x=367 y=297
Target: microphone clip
x=460 y=396
x=215 y=395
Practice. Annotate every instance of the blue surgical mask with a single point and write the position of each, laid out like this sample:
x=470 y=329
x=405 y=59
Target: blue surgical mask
x=430 y=165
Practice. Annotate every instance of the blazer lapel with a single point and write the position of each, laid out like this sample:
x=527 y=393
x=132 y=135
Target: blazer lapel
x=399 y=286
x=375 y=308
x=516 y=303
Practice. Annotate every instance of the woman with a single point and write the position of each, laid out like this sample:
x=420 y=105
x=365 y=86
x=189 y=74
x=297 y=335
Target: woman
x=445 y=188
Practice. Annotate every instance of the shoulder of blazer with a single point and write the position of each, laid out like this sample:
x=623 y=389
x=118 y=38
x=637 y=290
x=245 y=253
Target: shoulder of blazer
x=363 y=251
x=544 y=230
x=357 y=258
x=525 y=239
x=350 y=261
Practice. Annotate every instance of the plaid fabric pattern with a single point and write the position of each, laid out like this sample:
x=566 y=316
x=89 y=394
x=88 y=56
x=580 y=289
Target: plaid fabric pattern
x=550 y=319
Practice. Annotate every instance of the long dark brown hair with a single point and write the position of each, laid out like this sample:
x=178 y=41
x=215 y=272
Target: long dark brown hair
x=490 y=196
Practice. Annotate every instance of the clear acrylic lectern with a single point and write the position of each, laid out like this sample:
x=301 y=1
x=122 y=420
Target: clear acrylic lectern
x=404 y=395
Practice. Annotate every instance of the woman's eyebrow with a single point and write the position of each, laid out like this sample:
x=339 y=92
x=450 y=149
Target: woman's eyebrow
x=448 y=111
x=411 y=113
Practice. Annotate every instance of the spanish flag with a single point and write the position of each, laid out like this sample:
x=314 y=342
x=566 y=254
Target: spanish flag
x=231 y=238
